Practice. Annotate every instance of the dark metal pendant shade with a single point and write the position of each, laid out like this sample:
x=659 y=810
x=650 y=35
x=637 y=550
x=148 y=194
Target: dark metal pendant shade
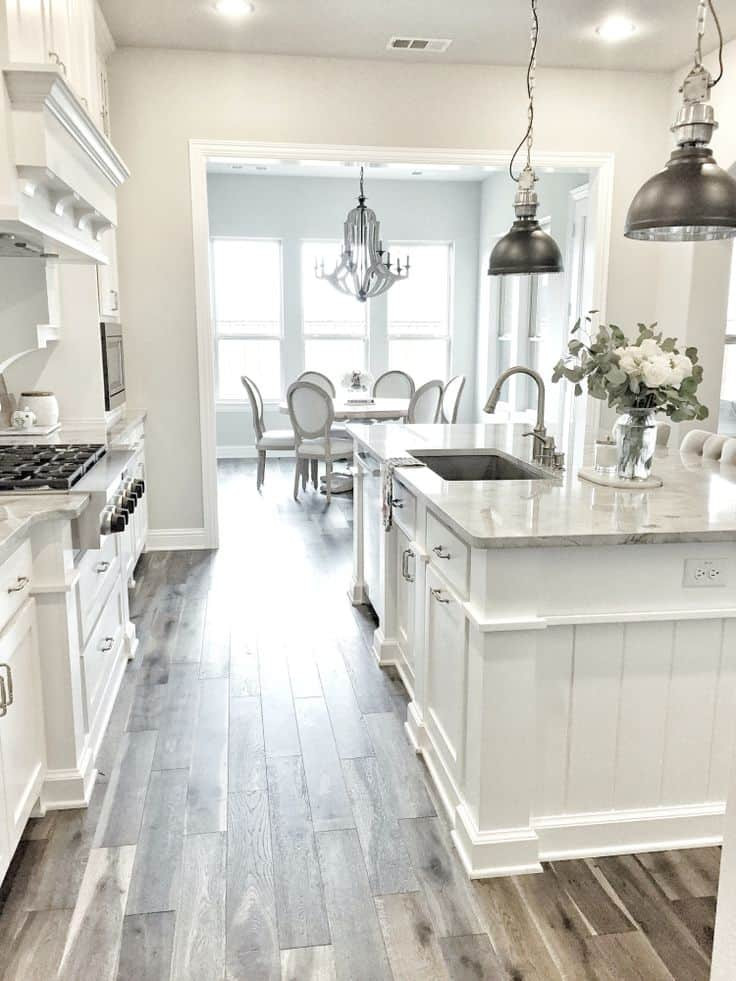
x=691 y=200
x=525 y=249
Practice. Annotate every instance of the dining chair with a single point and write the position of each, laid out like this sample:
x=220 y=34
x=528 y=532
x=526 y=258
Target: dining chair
x=450 y=402
x=266 y=439
x=425 y=403
x=705 y=444
x=728 y=456
x=393 y=385
x=317 y=378
x=312 y=413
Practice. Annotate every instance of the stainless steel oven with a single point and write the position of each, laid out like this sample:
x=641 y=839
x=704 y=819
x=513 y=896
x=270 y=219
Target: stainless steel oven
x=113 y=366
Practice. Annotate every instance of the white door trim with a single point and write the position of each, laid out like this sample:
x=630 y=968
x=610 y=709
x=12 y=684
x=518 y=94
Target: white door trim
x=601 y=166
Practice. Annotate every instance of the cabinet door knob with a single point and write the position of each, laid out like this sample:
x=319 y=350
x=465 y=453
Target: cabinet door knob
x=396 y=502
x=20 y=583
x=107 y=645
x=437 y=593
x=439 y=551
x=9 y=671
x=406 y=555
x=103 y=567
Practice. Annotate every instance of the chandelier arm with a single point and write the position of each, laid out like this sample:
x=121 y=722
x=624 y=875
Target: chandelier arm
x=528 y=136
x=717 y=22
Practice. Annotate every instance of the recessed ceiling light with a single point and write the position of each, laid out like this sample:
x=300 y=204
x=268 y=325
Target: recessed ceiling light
x=615 y=28
x=234 y=8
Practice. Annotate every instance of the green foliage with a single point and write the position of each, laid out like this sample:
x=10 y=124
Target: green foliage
x=593 y=360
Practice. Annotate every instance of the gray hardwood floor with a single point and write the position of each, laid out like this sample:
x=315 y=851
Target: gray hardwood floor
x=259 y=814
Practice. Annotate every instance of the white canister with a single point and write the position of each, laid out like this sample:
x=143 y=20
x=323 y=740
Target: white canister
x=606 y=455
x=43 y=405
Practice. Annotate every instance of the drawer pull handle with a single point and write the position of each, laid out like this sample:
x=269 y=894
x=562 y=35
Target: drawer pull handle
x=107 y=645
x=437 y=593
x=406 y=555
x=3 y=698
x=396 y=502
x=439 y=551
x=20 y=583
x=103 y=567
x=9 y=700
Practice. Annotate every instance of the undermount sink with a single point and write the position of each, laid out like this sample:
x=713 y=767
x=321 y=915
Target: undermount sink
x=488 y=465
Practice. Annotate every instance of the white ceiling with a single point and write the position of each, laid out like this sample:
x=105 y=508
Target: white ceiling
x=482 y=31
x=249 y=166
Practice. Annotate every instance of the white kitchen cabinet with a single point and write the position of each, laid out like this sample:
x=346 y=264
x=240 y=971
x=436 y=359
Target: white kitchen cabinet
x=22 y=740
x=372 y=533
x=107 y=279
x=26 y=24
x=406 y=575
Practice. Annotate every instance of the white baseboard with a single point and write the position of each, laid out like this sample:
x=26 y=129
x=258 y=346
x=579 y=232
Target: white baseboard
x=249 y=453
x=173 y=539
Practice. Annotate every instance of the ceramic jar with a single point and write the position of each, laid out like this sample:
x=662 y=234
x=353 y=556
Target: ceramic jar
x=43 y=405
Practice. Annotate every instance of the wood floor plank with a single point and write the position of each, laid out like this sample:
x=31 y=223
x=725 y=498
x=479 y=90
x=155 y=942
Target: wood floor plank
x=247 y=750
x=244 y=673
x=348 y=726
x=199 y=934
x=412 y=945
x=302 y=918
x=187 y=639
x=122 y=809
x=157 y=646
x=449 y=897
x=517 y=941
x=33 y=951
x=39 y=829
x=95 y=931
x=147 y=946
x=684 y=873
x=303 y=673
x=699 y=915
x=327 y=794
x=472 y=959
x=176 y=732
x=277 y=705
x=384 y=850
x=147 y=707
x=360 y=954
x=601 y=912
x=401 y=778
x=207 y=796
x=308 y=964
x=116 y=726
x=252 y=932
x=155 y=885
x=626 y=957
x=651 y=910
x=215 y=660
x=371 y=689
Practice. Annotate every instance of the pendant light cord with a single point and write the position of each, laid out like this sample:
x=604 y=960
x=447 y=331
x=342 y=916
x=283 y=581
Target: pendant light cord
x=528 y=136
x=703 y=7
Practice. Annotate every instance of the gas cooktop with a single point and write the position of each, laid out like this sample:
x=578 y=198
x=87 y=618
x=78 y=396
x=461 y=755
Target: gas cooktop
x=45 y=467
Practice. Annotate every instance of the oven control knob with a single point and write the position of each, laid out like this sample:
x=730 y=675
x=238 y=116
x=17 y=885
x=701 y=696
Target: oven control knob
x=125 y=503
x=138 y=487
x=111 y=522
x=122 y=515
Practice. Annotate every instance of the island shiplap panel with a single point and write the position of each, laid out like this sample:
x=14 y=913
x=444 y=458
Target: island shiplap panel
x=691 y=711
x=594 y=716
x=554 y=690
x=724 y=727
x=642 y=717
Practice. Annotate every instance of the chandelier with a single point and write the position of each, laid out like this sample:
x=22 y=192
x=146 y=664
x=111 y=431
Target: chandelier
x=364 y=268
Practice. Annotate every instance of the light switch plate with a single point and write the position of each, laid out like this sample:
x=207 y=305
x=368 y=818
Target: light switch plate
x=705 y=573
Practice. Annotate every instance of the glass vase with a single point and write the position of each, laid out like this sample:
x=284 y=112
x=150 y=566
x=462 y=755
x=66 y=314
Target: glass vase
x=635 y=432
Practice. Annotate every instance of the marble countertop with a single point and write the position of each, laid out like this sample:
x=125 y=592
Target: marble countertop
x=97 y=432
x=19 y=513
x=697 y=502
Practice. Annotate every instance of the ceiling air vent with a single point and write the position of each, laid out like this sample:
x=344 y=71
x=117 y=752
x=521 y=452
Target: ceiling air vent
x=434 y=44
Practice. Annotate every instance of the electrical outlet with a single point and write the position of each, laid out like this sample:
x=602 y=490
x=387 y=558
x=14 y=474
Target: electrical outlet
x=705 y=572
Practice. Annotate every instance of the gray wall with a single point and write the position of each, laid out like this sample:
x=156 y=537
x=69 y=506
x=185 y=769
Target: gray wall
x=293 y=209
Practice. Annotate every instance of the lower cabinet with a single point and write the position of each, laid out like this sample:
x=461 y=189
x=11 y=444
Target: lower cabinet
x=447 y=669
x=372 y=534
x=405 y=605
x=22 y=742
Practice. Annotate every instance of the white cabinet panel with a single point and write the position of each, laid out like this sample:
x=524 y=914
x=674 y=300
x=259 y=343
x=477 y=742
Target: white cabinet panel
x=405 y=600
x=26 y=25
x=21 y=728
x=448 y=554
x=372 y=532
x=15 y=581
x=107 y=279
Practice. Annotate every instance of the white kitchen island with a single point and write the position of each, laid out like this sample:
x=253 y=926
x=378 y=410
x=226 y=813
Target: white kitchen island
x=571 y=693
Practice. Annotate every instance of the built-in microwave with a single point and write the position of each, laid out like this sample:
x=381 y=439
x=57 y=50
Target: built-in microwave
x=113 y=367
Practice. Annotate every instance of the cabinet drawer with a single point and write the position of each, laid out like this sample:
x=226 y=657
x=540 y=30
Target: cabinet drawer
x=15 y=582
x=405 y=509
x=101 y=653
x=448 y=554
x=97 y=568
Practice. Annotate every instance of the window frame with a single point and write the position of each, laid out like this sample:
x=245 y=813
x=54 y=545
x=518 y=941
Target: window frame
x=396 y=245
x=246 y=335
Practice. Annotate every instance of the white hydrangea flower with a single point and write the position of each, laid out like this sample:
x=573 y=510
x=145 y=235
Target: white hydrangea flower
x=650 y=349
x=656 y=371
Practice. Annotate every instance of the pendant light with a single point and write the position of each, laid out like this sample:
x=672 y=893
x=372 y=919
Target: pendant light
x=365 y=268
x=526 y=248
x=692 y=199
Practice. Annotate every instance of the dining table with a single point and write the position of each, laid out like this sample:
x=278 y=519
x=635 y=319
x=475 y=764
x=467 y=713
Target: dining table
x=355 y=409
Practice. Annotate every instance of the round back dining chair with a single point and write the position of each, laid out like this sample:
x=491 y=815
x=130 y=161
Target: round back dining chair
x=393 y=385
x=317 y=378
x=425 y=403
x=266 y=439
x=312 y=413
x=728 y=456
x=451 y=399
x=256 y=405
x=705 y=444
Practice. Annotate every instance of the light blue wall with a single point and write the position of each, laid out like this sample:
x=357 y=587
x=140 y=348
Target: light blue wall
x=296 y=208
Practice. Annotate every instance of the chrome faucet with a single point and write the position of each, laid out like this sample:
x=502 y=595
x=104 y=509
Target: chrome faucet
x=544 y=450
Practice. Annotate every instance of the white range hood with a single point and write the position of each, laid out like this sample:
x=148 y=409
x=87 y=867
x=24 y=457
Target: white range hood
x=58 y=172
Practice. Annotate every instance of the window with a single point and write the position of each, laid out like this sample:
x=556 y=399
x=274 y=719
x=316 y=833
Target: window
x=246 y=277
x=419 y=313
x=727 y=421
x=335 y=326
